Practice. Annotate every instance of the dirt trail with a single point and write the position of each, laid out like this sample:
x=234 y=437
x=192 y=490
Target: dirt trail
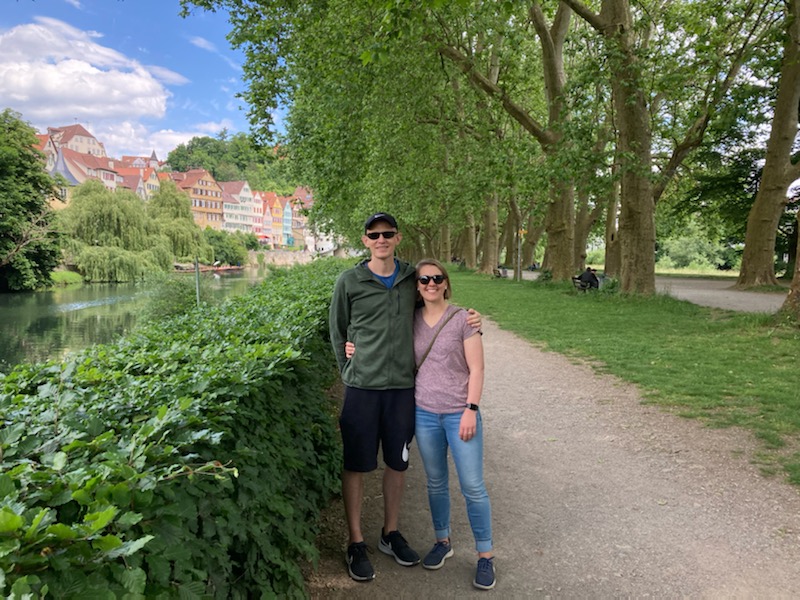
x=594 y=495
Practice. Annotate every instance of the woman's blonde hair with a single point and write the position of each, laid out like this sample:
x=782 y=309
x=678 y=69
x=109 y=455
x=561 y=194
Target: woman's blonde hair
x=432 y=262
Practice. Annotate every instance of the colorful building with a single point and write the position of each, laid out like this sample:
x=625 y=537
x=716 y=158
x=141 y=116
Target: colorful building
x=205 y=194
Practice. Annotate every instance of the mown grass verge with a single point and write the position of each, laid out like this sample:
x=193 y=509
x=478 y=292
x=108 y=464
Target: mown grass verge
x=730 y=369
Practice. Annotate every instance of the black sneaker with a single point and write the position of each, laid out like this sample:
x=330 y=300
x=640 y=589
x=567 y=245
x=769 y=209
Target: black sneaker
x=358 y=564
x=484 y=574
x=394 y=544
x=435 y=558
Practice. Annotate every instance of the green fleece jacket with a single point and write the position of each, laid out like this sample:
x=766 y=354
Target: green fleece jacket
x=380 y=322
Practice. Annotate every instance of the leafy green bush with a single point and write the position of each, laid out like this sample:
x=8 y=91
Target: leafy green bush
x=189 y=459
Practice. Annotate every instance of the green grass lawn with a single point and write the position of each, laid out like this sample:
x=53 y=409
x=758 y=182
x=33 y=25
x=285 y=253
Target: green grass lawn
x=724 y=367
x=62 y=278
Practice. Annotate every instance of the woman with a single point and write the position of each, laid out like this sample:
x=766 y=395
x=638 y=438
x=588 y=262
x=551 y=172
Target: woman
x=449 y=382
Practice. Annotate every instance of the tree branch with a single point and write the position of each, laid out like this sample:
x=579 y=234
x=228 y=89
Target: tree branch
x=492 y=90
x=37 y=230
x=587 y=15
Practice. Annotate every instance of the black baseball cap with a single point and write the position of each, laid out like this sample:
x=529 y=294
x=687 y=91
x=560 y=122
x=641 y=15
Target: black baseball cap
x=381 y=216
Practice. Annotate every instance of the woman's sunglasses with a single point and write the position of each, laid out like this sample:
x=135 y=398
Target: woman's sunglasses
x=426 y=279
x=374 y=235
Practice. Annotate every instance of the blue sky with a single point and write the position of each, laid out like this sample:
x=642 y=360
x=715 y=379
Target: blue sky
x=133 y=72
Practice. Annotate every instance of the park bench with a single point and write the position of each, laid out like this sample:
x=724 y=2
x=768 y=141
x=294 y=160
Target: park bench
x=581 y=286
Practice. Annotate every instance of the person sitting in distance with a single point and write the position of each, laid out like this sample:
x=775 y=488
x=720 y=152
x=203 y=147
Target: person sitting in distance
x=589 y=276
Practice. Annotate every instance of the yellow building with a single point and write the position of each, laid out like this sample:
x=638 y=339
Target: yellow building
x=205 y=193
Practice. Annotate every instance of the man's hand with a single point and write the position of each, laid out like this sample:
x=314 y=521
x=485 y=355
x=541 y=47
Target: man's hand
x=473 y=319
x=349 y=350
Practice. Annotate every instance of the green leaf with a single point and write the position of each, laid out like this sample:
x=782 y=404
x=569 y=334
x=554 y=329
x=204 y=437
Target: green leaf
x=10 y=521
x=129 y=548
x=7 y=547
x=57 y=461
x=10 y=435
x=134 y=580
x=98 y=520
x=107 y=543
x=37 y=522
x=7 y=487
x=128 y=519
x=192 y=591
x=61 y=532
x=82 y=497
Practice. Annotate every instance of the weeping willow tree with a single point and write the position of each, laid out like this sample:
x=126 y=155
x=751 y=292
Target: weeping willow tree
x=171 y=210
x=111 y=237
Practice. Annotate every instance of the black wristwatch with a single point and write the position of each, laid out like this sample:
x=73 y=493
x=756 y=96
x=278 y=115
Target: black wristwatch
x=472 y=406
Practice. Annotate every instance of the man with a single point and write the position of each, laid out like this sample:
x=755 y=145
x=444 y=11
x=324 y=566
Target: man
x=373 y=306
x=589 y=277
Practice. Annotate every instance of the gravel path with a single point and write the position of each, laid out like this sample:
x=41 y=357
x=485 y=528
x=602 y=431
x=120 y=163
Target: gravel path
x=719 y=293
x=595 y=495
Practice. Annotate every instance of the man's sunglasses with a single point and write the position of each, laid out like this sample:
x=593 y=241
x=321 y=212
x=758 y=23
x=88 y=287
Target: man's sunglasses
x=426 y=279
x=374 y=235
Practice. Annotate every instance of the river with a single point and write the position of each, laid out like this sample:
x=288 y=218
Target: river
x=36 y=326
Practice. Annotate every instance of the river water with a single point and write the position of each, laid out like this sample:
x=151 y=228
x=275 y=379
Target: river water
x=36 y=326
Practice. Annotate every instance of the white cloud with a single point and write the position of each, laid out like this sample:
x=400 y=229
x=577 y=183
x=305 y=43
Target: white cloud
x=203 y=44
x=134 y=139
x=55 y=74
x=74 y=3
x=168 y=76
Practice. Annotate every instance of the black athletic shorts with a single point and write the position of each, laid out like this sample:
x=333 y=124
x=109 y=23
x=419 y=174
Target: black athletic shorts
x=370 y=417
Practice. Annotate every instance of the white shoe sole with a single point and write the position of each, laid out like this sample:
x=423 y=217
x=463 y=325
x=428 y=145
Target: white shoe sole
x=440 y=564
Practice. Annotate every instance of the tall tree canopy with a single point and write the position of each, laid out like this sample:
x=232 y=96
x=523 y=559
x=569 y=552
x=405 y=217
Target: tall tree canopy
x=476 y=120
x=29 y=246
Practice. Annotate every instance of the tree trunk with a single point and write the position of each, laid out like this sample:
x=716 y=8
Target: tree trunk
x=791 y=264
x=613 y=254
x=508 y=239
x=470 y=249
x=791 y=305
x=584 y=221
x=637 y=229
x=531 y=241
x=560 y=227
x=445 y=249
x=490 y=236
x=758 y=259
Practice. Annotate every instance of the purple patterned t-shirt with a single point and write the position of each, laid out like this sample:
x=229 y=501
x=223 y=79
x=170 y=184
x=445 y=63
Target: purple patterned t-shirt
x=441 y=383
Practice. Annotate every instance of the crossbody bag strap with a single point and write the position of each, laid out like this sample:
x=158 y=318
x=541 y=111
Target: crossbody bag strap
x=435 y=335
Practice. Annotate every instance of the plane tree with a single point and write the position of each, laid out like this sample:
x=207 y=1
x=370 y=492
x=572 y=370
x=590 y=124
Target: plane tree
x=665 y=68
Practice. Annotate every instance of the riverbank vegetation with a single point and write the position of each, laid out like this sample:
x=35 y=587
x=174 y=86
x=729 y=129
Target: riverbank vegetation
x=729 y=369
x=190 y=459
x=29 y=249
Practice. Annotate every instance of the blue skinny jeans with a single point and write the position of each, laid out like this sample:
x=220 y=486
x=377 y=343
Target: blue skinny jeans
x=435 y=433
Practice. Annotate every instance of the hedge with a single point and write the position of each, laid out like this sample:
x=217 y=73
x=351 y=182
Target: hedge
x=190 y=459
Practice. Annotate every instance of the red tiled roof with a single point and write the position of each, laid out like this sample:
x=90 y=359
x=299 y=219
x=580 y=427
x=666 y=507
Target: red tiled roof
x=43 y=139
x=70 y=131
x=89 y=161
x=232 y=187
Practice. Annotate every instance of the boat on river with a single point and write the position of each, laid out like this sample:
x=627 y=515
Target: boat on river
x=190 y=268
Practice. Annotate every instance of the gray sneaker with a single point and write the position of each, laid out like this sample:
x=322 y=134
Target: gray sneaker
x=394 y=544
x=440 y=552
